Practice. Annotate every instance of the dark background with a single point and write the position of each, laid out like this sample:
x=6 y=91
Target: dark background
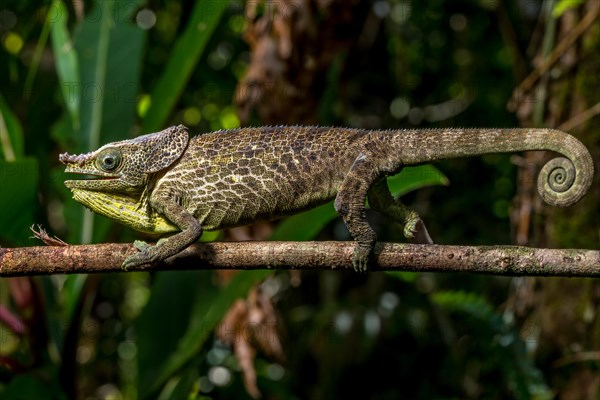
x=77 y=75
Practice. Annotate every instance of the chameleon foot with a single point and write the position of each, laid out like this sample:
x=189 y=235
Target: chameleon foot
x=410 y=224
x=141 y=245
x=145 y=256
x=361 y=258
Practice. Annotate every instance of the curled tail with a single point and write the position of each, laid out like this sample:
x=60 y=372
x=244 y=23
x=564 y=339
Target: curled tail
x=562 y=181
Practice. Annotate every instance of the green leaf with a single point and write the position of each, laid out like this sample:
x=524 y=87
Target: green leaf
x=67 y=64
x=404 y=276
x=186 y=386
x=206 y=315
x=186 y=53
x=413 y=178
x=18 y=199
x=71 y=293
x=173 y=295
x=307 y=225
x=11 y=134
x=467 y=302
x=37 y=57
x=39 y=384
x=499 y=340
x=564 y=5
x=92 y=46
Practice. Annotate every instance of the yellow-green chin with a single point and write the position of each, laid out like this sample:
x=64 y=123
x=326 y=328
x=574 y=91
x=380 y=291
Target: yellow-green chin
x=125 y=210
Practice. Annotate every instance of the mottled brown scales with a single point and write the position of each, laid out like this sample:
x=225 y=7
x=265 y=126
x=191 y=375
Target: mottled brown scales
x=165 y=182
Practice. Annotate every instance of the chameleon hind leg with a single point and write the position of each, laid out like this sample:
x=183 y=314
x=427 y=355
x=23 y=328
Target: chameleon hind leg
x=381 y=200
x=350 y=205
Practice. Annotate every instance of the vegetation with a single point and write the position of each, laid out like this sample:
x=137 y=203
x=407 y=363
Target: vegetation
x=75 y=75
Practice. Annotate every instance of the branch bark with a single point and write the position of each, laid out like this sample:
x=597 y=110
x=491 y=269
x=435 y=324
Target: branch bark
x=499 y=260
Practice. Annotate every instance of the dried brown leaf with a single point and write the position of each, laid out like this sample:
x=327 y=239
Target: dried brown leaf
x=250 y=326
x=48 y=240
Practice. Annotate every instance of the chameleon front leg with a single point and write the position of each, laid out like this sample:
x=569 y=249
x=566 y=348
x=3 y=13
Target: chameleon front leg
x=190 y=227
x=350 y=204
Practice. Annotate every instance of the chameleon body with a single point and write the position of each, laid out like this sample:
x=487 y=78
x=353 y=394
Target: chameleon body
x=166 y=182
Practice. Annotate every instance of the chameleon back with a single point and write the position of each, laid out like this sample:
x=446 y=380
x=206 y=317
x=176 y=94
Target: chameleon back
x=235 y=177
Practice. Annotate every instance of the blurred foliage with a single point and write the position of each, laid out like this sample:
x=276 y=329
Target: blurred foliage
x=75 y=75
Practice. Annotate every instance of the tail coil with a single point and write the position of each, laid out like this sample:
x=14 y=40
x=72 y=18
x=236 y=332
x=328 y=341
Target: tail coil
x=561 y=182
x=558 y=184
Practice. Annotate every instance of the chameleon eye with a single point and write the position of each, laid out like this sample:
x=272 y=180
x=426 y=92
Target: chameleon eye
x=109 y=160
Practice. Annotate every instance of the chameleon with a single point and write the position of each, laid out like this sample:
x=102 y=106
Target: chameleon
x=169 y=183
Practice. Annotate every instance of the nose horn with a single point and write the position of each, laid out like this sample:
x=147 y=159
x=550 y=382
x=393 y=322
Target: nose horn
x=67 y=158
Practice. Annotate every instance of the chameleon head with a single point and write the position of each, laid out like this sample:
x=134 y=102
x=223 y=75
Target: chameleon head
x=120 y=173
x=125 y=166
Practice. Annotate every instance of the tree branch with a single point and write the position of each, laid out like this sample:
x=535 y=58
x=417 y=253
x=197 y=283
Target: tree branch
x=499 y=260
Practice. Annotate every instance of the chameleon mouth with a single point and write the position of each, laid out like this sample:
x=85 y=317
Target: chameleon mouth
x=90 y=175
x=89 y=179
